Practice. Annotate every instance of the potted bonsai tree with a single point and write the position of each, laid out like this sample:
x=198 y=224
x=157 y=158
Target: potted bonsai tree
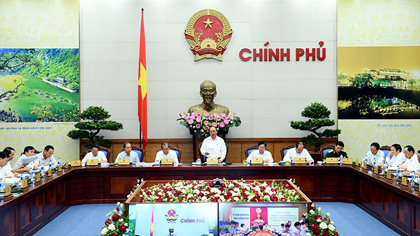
x=318 y=115
x=95 y=122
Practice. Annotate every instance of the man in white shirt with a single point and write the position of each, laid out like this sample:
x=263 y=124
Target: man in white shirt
x=28 y=152
x=411 y=162
x=44 y=158
x=215 y=142
x=4 y=171
x=166 y=153
x=95 y=154
x=395 y=156
x=375 y=153
x=127 y=153
x=298 y=152
x=260 y=153
x=11 y=153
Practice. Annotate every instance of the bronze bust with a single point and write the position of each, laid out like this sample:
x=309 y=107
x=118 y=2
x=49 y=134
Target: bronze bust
x=208 y=92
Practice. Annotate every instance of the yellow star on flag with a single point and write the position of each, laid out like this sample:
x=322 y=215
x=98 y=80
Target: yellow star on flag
x=208 y=23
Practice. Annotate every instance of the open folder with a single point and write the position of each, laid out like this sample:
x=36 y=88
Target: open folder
x=27 y=160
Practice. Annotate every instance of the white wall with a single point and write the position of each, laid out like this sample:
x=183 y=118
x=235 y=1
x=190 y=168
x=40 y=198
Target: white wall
x=266 y=95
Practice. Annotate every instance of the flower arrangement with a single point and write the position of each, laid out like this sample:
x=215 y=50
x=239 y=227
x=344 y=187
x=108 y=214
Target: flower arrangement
x=200 y=123
x=230 y=191
x=117 y=223
x=320 y=224
x=136 y=185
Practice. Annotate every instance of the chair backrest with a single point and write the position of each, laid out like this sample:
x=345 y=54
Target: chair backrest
x=139 y=151
x=177 y=151
x=326 y=149
x=251 y=149
x=284 y=150
x=386 y=149
x=203 y=157
x=102 y=149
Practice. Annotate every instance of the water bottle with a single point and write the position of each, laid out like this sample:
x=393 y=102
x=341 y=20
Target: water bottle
x=1 y=185
x=398 y=171
x=386 y=167
x=308 y=232
x=20 y=182
x=42 y=171
x=374 y=161
x=413 y=177
x=31 y=173
x=59 y=161
x=366 y=159
x=50 y=165
x=341 y=159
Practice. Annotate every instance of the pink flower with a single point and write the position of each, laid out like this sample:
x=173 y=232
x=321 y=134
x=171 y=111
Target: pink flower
x=190 y=121
x=194 y=114
x=198 y=119
x=230 y=116
x=199 y=115
x=206 y=122
x=202 y=130
x=187 y=117
x=206 y=128
x=210 y=117
x=226 y=122
x=222 y=125
x=198 y=126
x=223 y=114
x=216 y=115
x=214 y=124
x=206 y=114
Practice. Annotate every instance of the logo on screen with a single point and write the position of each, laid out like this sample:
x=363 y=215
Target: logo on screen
x=171 y=216
x=208 y=32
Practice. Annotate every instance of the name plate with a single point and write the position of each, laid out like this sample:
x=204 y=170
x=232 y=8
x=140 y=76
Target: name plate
x=388 y=175
x=357 y=162
x=347 y=161
x=60 y=168
x=166 y=161
x=332 y=160
x=75 y=163
x=8 y=191
x=375 y=170
x=404 y=180
x=300 y=160
x=92 y=162
x=49 y=172
x=24 y=183
x=38 y=177
x=212 y=161
x=124 y=162
x=364 y=165
x=257 y=161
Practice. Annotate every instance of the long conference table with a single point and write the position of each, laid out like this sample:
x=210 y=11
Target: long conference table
x=393 y=204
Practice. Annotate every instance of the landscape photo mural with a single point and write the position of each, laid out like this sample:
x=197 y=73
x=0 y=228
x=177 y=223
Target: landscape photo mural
x=39 y=84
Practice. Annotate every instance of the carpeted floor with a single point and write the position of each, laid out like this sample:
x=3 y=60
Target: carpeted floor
x=89 y=219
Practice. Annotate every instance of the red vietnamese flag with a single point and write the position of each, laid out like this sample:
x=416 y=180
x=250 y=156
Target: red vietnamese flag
x=142 y=94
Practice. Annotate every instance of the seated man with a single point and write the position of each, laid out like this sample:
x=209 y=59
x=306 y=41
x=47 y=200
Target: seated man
x=260 y=153
x=128 y=154
x=4 y=171
x=411 y=163
x=223 y=231
x=337 y=151
x=95 y=154
x=232 y=229
x=44 y=158
x=296 y=229
x=375 y=153
x=304 y=226
x=28 y=152
x=286 y=230
x=166 y=153
x=215 y=142
x=11 y=153
x=395 y=157
x=298 y=152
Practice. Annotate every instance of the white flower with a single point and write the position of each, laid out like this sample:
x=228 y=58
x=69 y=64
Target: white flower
x=328 y=214
x=332 y=222
x=236 y=199
x=120 y=220
x=323 y=225
x=222 y=198
x=189 y=195
x=104 y=231
x=318 y=220
x=236 y=189
x=118 y=203
x=126 y=224
x=319 y=208
x=331 y=227
x=266 y=197
x=204 y=199
x=250 y=197
x=312 y=212
x=122 y=205
x=111 y=227
x=196 y=191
